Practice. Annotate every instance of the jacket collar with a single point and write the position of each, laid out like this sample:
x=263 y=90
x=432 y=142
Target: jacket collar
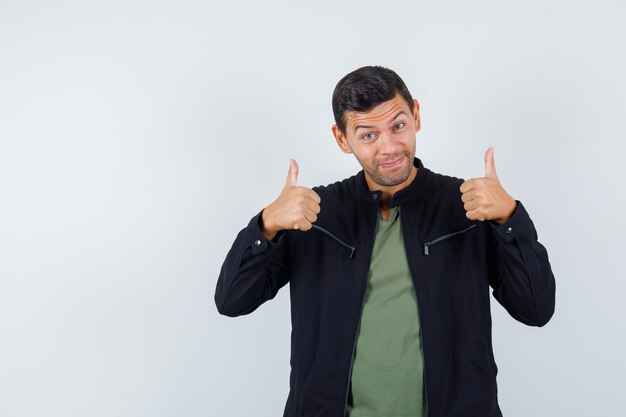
x=410 y=192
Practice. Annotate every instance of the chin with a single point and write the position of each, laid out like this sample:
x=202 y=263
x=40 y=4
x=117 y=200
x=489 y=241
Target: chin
x=388 y=181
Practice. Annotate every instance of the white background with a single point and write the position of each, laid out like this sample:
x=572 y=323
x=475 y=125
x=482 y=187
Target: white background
x=138 y=137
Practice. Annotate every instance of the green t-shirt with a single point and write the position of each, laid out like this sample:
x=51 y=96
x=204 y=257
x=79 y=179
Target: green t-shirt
x=387 y=372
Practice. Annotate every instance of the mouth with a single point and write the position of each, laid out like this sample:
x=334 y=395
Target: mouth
x=392 y=164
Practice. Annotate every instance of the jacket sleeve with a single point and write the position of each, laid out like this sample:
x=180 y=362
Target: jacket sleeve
x=520 y=272
x=253 y=271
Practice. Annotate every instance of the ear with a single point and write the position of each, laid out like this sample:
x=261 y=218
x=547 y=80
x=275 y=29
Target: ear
x=416 y=115
x=341 y=139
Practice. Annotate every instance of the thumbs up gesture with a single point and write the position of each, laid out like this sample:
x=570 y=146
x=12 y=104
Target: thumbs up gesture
x=484 y=198
x=295 y=208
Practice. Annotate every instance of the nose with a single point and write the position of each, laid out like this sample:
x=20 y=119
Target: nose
x=388 y=145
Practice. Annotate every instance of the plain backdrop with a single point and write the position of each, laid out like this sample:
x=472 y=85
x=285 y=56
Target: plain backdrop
x=138 y=137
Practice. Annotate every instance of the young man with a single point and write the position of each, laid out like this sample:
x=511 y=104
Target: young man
x=390 y=270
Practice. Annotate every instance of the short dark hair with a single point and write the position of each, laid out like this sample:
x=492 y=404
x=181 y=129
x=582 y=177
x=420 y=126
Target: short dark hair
x=364 y=88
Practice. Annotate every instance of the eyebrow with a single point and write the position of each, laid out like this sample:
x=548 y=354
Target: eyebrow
x=370 y=127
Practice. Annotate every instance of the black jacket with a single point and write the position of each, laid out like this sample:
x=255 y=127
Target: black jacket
x=452 y=261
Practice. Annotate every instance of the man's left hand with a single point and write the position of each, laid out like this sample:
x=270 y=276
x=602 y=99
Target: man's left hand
x=484 y=198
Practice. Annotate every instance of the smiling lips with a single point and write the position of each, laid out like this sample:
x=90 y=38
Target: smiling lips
x=392 y=164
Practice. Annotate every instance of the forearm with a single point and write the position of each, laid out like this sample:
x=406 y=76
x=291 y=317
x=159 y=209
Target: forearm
x=252 y=272
x=522 y=281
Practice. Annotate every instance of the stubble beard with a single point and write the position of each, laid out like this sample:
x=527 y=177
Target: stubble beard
x=388 y=180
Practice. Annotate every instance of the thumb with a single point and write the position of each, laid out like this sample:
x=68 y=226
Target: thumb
x=292 y=176
x=490 y=164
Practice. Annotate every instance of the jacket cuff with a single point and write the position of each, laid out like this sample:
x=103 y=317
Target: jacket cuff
x=255 y=238
x=518 y=224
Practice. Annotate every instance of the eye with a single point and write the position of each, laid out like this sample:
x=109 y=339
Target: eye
x=368 y=137
x=399 y=126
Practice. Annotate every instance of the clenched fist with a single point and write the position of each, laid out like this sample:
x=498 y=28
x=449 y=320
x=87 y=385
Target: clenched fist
x=295 y=208
x=484 y=198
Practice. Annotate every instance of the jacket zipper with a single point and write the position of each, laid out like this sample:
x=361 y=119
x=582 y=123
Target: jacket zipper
x=444 y=237
x=335 y=238
x=419 y=318
x=358 y=325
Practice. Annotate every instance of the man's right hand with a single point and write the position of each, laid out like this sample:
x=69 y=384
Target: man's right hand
x=295 y=208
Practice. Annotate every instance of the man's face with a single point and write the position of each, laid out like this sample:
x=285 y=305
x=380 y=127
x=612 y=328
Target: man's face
x=383 y=141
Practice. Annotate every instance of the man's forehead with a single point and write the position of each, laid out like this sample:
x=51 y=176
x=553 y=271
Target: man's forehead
x=382 y=112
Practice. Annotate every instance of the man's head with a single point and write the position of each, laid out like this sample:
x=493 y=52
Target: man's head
x=376 y=120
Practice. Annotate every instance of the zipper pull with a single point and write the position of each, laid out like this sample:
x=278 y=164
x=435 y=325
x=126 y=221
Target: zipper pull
x=426 y=249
